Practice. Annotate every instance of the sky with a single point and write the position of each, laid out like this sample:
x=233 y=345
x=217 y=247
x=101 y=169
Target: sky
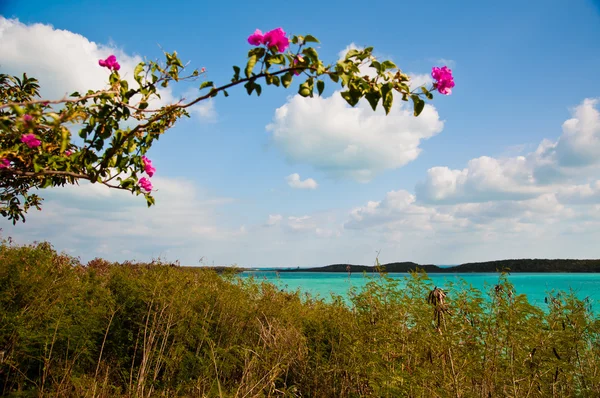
x=508 y=166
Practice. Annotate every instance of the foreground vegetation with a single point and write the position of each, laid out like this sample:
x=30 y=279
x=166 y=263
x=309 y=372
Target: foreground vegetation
x=144 y=330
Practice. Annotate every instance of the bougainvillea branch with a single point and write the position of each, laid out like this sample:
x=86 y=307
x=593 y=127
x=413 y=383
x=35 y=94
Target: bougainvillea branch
x=103 y=136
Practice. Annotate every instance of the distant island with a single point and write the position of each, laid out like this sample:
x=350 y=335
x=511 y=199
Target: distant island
x=517 y=265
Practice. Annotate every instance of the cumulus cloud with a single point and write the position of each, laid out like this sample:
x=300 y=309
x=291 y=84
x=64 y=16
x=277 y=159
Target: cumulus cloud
x=553 y=164
x=91 y=215
x=399 y=211
x=352 y=142
x=356 y=142
x=295 y=182
x=65 y=62
x=274 y=219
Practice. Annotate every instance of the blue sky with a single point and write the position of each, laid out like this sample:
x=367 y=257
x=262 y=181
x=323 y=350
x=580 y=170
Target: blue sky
x=522 y=69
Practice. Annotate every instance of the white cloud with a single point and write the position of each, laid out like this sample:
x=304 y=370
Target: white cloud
x=450 y=63
x=274 y=219
x=295 y=182
x=342 y=141
x=65 y=62
x=574 y=156
x=580 y=194
x=90 y=216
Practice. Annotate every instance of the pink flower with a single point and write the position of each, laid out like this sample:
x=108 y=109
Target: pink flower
x=203 y=70
x=276 y=38
x=150 y=170
x=444 y=79
x=30 y=140
x=257 y=38
x=27 y=118
x=68 y=153
x=145 y=184
x=4 y=163
x=110 y=63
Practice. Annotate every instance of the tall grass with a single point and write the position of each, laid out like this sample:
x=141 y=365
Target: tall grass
x=144 y=330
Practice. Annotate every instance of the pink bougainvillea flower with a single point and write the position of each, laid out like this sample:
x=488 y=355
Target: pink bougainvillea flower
x=27 y=118
x=203 y=70
x=257 y=38
x=150 y=170
x=145 y=184
x=30 y=140
x=110 y=63
x=277 y=38
x=4 y=163
x=444 y=80
x=68 y=153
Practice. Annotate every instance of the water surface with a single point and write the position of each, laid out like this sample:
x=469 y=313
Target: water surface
x=535 y=286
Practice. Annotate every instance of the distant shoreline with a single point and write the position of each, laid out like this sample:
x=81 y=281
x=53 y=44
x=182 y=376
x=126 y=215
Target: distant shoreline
x=516 y=265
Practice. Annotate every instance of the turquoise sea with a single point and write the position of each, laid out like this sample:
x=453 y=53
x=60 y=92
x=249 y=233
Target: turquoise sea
x=535 y=285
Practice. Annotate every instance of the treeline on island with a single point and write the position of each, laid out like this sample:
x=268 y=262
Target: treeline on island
x=517 y=265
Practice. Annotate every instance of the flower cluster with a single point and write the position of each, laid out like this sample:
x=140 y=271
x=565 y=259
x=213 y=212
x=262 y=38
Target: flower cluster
x=110 y=63
x=27 y=118
x=4 y=163
x=148 y=166
x=30 y=140
x=443 y=78
x=145 y=183
x=274 y=38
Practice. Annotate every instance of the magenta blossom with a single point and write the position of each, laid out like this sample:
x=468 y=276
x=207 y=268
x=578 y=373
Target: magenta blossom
x=68 y=153
x=110 y=63
x=27 y=118
x=277 y=38
x=150 y=170
x=145 y=184
x=444 y=80
x=4 y=163
x=30 y=140
x=257 y=38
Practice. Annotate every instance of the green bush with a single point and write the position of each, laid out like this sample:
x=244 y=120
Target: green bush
x=106 y=330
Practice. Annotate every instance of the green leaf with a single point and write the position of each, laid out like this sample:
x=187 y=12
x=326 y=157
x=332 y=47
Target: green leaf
x=250 y=65
x=305 y=90
x=258 y=88
x=138 y=71
x=249 y=87
x=276 y=59
x=419 y=104
x=352 y=53
x=427 y=93
x=352 y=97
x=388 y=65
x=206 y=84
x=258 y=52
x=312 y=54
x=310 y=39
x=377 y=66
x=236 y=75
x=286 y=79
x=373 y=98
x=320 y=86
x=388 y=99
